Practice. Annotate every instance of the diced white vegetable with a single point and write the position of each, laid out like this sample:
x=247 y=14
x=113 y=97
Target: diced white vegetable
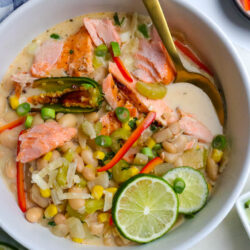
x=102 y=179
x=70 y=174
x=67 y=196
x=81 y=210
x=55 y=197
x=107 y=201
x=75 y=228
x=52 y=178
x=41 y=183
x=134 y=24
x=77 y=179
x=125 y=36
x=88 y=129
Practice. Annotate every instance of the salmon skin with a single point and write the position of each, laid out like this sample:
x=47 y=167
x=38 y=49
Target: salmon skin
x=43 y=138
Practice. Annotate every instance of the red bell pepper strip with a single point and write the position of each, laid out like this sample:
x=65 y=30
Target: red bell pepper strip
x=131 y=140
x=110 y=221
x=246 y=4
x=185 y=50
x=122 y=68
x=13 y=124
x=20 y=179
x=151 y=165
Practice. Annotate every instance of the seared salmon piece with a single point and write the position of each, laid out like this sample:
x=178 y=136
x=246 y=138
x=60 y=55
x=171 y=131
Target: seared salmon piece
x=195 y=128
x=77 y=54
x=143 y=75
x=46 y=57
x=43 y=138
x=143 y=104
x=115 y=98
x=109 y=123
x=101 y=31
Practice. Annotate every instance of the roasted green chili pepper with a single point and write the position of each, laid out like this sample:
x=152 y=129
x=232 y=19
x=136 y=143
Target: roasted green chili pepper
x=68 y=94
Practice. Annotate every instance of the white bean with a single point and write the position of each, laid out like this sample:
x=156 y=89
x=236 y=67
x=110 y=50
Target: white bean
x=80 y=164
x=67 y=146
x=169 y=147
x=168 y=157
x=59 y=219
x=41 y=163
x=92 y=117
x=162 y=135
x=60 y=230
x=34 y=214
x=68 y=121
x=3 y=104
x=10 y=169
x=175 y=128
x=88 y=173
x=96 y=228
x=180 y=143
x=88 y=158
x=8 y=138
x=212 y=169
x=37 y=120
x=36 y=197
x=55 y=155
x=76 y=203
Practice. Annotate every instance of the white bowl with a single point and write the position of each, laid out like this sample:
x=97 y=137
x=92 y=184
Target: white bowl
x=38 y=15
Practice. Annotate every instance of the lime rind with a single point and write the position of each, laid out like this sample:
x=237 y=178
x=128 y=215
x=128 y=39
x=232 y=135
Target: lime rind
x=195 y=194
x=130 y=204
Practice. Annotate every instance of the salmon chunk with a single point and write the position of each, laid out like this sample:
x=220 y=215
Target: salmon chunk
x=43 y=138
x=77 y=54
x=152 y=59
x=46 y=57
x=193 y=127
x=143 y=104
x=115 y=98
x=109 y=123
x=101 y=31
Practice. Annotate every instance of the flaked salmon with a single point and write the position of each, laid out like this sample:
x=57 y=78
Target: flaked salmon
x=77 y=55
x=143 y=104
x=152 y=59
x=46 y=57
x=101 y=31
x=109 y=123
x=195 y=128
x=43 y=138
x=115 y=98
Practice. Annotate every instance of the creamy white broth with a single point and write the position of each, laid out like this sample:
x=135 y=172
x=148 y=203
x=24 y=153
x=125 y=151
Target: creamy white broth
x=183 y=95
x=192 y=99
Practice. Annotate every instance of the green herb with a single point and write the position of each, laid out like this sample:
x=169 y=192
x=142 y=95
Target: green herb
x=55 y=36
x=117 y=20
x=219 y=142
x=115 y=49
x=71 y=51
x=109 y=156
x=101 y=50
x=110 y=175
x=23 y=109
x=51 y=223
x=125 y=168
x=154 y=127
x=132 y=123
x=179 y=185
x=144 y=30
x=148 y=151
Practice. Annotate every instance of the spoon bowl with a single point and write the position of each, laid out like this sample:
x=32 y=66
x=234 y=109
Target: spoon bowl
x=183 y=75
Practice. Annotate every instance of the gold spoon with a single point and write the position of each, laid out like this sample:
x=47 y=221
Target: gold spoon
x=183 y=75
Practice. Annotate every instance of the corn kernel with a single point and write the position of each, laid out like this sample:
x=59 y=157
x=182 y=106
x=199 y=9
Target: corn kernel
x=126 y=126
x=50 y=211
x=48 y=156
x=138 y=122
x=78 y=150
x=97 y=192
x=103 y=217
x=77 y=240
x=217 y=155
x=89 y=166
x=69 y=155
x=14 y=101
x=99 y=155
x=111 y=190
x=45 y=193
x=150 y=143
x=134 y=171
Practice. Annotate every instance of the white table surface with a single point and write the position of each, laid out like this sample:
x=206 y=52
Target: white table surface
x=230 y=234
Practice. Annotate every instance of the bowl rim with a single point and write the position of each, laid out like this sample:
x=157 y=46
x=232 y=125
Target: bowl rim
x=225 y=209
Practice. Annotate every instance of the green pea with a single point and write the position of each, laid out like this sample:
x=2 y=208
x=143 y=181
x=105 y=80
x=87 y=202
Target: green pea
x=179 y=185
x=122 y=114
x=101 y=50
x=23 y=109
x=103 y=141
x=219 y=142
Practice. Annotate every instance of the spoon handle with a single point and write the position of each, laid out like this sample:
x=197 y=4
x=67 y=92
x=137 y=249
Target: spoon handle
x=158 y=18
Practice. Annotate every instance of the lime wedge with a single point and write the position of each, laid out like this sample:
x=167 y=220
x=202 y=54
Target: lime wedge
x=195 y=194
x=144 y=208
x=5 y=246
x=195 y=158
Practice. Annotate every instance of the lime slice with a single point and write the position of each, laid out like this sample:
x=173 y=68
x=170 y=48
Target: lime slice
x=195 y=158
x=195 y=194
x=144 y=208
